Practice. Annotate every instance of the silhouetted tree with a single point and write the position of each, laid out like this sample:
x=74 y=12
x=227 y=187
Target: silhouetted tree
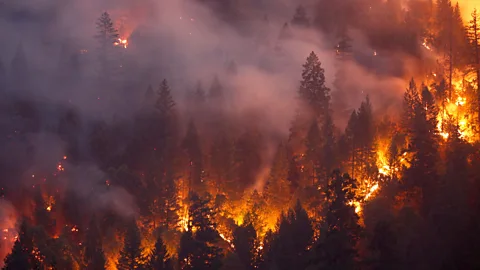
x=94 y=257
x=106 y=36
x=131 y=255
x=244 y=241
x=23 y=256
x=340 y=231
x=300 y=17
x=159 y=258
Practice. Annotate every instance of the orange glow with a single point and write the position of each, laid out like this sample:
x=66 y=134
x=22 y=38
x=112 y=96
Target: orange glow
x=456 y=111
x=121 y=42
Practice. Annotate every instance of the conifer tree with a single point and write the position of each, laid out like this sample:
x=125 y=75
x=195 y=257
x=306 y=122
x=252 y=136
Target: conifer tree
x=351 y=141
x=285 y=33
x=473 y=34
x=300 y=17
x=149 y=95
x=106 y=36
x=159 y=258
x=199 y=95
x=343 y=52
x=313 y=145
x=247 y=158
x=313 y=98
x=312 y=87
x=165 y=104
x=186 y=249
x=340 y=232
x=170 y=204
x=383 y=247
x=204 y=252
x=277 y=190
x=216 y=89
x=94 y=257
x=245 y=243
x=365 y=140
x=191 y=145
x=21 y=257
x=131 y=255
x=221 y=162
x=43 y=212
x=294 y=236
x=424 y=144
x=327 y=152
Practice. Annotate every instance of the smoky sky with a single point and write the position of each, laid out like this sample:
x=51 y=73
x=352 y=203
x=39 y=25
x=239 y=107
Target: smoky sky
x=185 y=42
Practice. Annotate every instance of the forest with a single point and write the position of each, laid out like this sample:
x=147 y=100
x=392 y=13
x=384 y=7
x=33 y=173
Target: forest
x=240 y=135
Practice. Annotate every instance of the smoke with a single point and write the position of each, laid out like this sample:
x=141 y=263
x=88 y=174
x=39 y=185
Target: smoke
x=183 y=42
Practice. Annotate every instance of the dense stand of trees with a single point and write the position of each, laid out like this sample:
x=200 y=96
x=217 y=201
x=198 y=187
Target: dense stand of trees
x=193 y=173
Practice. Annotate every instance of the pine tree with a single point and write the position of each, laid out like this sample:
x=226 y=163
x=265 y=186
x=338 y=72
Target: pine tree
x=383 y=247
x=165 y=104
x=312 y=87
x=343 y=52
x=204 y=253
x=186 y=249
x=473 y=34
x=199 y=95
x=149 y=95
x=291 y=243
x=247 y=158
x=23 y=256
x=216 y=89
x=191 y=145
x=294 y=175
x=300 y=17
x=313 y=98
x=17 y=259
x=285 y=33
x=131 y=255
x=351 y=141
x=170 y=204
x=245 y=243
x=277 y=190
x=313 y=145
x=365 y=141
x=107 y=36
x=94 y=257
x=221 y=162
x=42 y=213
x=340 y=232
x=159 y=258
x=327 y=152
x=424 y=143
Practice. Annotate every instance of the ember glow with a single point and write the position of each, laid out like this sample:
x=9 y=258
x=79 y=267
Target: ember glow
x=121 y=43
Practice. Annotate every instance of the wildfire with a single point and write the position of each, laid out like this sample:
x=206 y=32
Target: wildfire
x=455 y=110
x=49 y=208
x=227 y=239
x=121 y=42
x=425 y=45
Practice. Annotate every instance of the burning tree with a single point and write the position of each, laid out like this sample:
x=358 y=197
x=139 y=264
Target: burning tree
x=131 y=255
x=108 y=55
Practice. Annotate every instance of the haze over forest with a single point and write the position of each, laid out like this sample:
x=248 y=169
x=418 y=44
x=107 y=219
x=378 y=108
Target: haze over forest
x=228 y=134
